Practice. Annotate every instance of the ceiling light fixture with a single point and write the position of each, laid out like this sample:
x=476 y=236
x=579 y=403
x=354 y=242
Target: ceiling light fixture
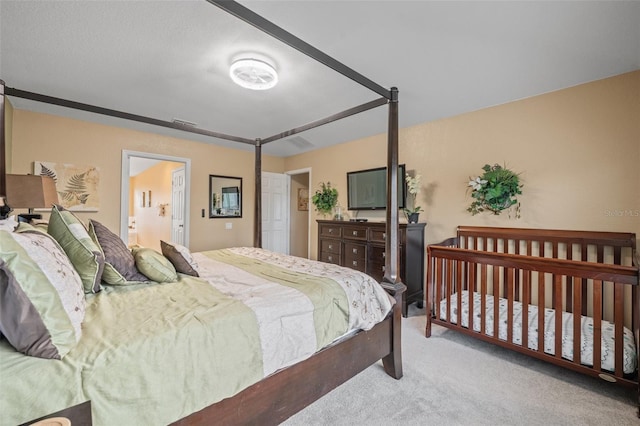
x=253 y=74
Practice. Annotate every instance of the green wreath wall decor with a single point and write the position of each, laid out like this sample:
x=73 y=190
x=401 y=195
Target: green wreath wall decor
x=495 y=190
x=325 y=198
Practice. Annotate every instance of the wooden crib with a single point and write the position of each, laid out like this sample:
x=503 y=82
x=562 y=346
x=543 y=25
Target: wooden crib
x=590 y=277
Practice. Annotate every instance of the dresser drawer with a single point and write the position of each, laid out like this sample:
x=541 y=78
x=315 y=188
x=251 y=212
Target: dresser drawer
x=355 y=256
x=380 y=235
x=327 y=230
x=330 y=258
x=331 y=246
x=354 y=233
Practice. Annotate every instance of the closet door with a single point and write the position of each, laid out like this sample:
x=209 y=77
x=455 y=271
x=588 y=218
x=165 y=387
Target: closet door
x=275 y=212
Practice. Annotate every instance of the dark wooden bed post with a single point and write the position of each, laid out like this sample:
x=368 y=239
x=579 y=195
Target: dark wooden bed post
x=257 y=211
x=392 y=280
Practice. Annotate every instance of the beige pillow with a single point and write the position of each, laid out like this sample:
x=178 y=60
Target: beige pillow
x=154 y=266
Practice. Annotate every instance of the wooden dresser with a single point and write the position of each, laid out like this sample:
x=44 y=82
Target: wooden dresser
x=361 y=246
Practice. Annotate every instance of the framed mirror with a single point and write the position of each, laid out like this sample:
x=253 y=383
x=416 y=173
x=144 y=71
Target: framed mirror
x=225 y=196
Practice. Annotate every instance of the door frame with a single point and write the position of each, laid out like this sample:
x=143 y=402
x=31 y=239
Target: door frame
x=299 y=172
x=124 y=189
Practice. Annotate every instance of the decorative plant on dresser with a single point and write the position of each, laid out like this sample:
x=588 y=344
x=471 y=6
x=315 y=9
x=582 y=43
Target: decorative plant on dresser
x=361 y=246
x=413 y=186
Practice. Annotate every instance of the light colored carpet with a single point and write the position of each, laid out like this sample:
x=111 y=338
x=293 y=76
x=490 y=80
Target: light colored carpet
x=452 y=379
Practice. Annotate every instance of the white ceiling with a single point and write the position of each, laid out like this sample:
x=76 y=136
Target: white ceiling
x=170 y=59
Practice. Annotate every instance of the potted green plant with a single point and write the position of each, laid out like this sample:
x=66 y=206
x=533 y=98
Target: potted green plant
x=325 y=198
x=413 y=187
x=496 y=190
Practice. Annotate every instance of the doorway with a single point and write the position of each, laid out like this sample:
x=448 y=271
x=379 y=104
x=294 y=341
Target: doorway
x=151 y=202
x=299 y=223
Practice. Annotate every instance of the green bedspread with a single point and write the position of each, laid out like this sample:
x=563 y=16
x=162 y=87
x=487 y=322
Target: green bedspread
x=151 y=354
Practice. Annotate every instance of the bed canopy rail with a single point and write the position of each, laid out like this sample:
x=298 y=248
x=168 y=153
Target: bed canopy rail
x=389 y=96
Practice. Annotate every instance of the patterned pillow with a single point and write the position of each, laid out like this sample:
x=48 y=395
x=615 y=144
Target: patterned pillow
x=84 y=254
x=180 y=257
x=42 y=303
x=154 y=265
x=120 y=266
x=8 y=224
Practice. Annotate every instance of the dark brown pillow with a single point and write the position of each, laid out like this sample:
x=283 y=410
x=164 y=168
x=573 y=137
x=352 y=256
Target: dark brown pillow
x=120 y=265
x=180 y=257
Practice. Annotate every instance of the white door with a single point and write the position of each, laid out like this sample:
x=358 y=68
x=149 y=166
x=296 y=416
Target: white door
x=177 y=205
x=275 y=212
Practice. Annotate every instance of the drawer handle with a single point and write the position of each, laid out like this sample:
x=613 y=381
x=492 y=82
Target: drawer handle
x=355 y=251
x=383 y=268
x=384 y=235
x=384 y=254
x=331 y=230
x=330 y=246
x=330 y=258
x=355 y=233
x=355 y=263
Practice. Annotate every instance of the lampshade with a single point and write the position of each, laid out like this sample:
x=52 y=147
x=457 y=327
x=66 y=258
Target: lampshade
x=31 y=192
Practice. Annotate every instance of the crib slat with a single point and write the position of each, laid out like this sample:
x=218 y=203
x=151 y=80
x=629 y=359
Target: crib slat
x=557 y=306
x=439 y=283
x=597 y=325
x=448 y=278
x=526 y=299
x=483 y=298
x=496 y=304
x=458 y=280
x=471 y=289
x=618 y=315
x=541 y=312
x=577 y=320
x=509 y=273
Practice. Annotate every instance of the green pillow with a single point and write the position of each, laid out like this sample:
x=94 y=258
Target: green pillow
x=85 y=255
x=154 y=266
x=42 y=303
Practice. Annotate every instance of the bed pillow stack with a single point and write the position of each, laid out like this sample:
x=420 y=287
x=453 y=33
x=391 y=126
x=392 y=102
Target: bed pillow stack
x=42 y=303
x=84 y=253
x=180 y=257
x=120 y=265
x=154 y=265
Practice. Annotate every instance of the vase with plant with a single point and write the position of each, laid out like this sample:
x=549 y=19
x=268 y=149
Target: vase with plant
x=325 y=198
x=495 y=190
x=413 y=187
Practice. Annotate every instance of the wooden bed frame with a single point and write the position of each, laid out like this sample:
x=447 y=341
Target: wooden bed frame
x=595 y=274
x=287 y=391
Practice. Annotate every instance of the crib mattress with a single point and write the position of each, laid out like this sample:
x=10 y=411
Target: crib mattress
x=586 y=346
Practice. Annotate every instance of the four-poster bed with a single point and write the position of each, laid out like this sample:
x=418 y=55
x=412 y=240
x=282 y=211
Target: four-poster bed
x=288 y=390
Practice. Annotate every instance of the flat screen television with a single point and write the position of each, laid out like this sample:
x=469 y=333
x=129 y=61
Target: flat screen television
x=367 y=189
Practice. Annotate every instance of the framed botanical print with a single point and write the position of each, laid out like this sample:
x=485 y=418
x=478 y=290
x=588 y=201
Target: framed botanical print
x=303 y=199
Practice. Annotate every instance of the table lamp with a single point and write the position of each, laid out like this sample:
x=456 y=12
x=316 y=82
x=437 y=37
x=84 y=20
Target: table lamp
x=30 y=192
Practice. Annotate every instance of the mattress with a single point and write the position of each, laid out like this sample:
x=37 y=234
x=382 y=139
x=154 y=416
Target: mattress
x=586 y=345
x=153 y=353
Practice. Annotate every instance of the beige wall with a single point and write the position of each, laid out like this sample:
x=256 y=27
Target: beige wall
x=299 y=237
x=578 y=152
x=150 y=226
x=45 y=137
